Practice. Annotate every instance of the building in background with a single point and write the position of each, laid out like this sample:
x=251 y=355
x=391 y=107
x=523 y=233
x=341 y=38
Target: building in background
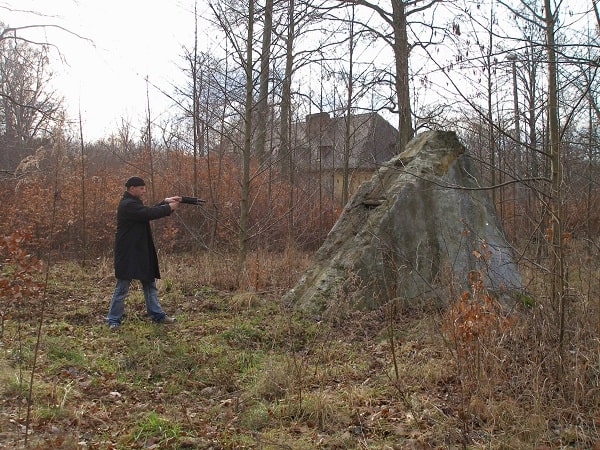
x=326 y=148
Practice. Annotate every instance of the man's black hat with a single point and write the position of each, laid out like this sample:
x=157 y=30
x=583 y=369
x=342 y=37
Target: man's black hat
x=134 y=181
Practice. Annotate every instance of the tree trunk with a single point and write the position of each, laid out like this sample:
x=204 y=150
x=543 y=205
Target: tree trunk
x=149 y=138
x=262 y=107
x=558 y=269
x=245 y=182
x=195 y=105
x=83 y=198
x=285 y=151
x=347 y=131
x=401 y=53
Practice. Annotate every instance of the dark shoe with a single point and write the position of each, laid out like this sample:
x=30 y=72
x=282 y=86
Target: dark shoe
x=113 y=326
x=167 y=319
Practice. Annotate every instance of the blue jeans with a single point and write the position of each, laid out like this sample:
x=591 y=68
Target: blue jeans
x=117 y=303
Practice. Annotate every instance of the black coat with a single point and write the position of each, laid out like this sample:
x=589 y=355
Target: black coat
x=135 y=254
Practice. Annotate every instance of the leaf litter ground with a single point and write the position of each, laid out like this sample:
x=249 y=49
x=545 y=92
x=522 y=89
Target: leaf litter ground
x=237 y=370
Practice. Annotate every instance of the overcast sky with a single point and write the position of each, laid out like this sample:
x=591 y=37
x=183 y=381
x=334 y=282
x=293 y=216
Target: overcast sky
x=128 y=40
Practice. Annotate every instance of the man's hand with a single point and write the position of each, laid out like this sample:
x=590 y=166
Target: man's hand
x=173 y=202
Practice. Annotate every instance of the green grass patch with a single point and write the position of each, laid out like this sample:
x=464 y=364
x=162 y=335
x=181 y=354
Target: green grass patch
x=154 y=430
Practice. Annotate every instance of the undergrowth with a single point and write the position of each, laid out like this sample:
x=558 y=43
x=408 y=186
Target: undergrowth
x=240 y=370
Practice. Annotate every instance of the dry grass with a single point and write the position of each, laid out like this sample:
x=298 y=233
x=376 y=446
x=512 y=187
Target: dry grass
x=264 y=272
x=238 y=370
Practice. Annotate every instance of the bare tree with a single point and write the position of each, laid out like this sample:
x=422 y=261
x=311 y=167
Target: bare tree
x=558 y=261
x=263 y=94
x=230 y=21
x=196 y=122
x=246 y=152
x=285 y=149
x=396 y=18
x=349 y=99
x=29 y=109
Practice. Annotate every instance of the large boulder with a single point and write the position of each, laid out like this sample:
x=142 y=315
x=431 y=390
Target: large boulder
x=417 y=231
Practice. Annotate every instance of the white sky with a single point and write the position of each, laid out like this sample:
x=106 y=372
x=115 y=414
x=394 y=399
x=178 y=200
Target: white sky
x=131 y=39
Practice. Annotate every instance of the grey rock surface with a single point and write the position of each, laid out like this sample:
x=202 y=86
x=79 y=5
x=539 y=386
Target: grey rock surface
x=414 y=232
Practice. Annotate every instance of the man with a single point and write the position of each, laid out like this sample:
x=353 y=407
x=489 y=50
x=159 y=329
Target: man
x=135 y=254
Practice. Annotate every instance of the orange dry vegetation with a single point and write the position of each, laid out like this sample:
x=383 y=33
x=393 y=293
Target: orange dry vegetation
x=71 y=211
